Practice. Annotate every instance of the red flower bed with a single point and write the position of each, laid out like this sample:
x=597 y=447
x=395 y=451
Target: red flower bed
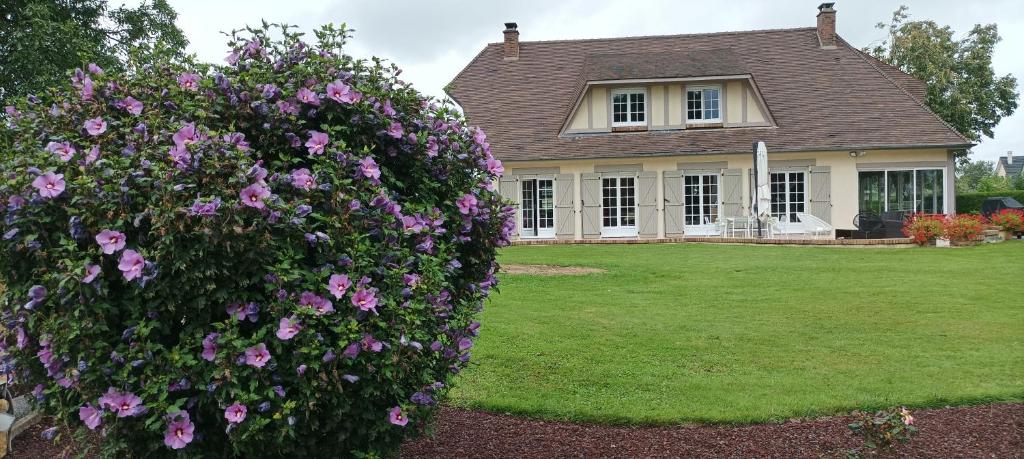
x=1011 y=220
x=964 y=227
x=924 y=228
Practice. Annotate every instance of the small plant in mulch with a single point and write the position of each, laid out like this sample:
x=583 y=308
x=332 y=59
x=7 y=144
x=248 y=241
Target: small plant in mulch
x=882 y=432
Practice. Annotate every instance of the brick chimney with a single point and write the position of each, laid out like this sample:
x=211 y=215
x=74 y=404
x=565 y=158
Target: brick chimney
x=826 y=26
x=511 y=41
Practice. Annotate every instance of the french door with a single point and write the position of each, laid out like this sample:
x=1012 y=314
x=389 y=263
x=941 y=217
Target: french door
x=618 y=206
x=537 y=210
x=789 y=195
x=700 y=204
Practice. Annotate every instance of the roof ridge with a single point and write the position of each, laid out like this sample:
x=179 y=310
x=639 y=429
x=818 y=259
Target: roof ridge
x=919 y=103
x=646 y=37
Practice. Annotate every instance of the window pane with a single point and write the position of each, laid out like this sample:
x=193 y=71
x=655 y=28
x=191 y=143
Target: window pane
x=619 y=108
x=930 y=191
x=546 y=204
x=693 y=105
x=872 y=190
x=627 y=201
x=527 y=204
x=900 y=185
x=609 y=202
x=711 y=110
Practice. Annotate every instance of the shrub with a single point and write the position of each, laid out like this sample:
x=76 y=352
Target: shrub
x=924 y=228
x=963 y=227
x=970 y=203
x=883 y=430
x=1011 y=220
x=279 y=256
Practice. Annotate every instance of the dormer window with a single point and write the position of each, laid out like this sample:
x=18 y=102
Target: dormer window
x=702 y=104
x=628 y=107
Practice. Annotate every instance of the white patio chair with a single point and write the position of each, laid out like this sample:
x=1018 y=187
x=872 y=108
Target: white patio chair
x=814 y=226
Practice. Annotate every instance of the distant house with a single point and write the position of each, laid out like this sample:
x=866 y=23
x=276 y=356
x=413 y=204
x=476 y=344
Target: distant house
x=1007 y=166
x=645 y=137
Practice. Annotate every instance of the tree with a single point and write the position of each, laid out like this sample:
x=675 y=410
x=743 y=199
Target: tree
x=41 y=40
x=963 y=88
x=971 y=173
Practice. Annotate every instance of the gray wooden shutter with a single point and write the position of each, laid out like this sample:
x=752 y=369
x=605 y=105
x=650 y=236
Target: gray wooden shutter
x=732 y=193
x=647 y=182
x=673 y=183
x=565 y=211
x=508 y=187
x=821 y=192
x=590 y=192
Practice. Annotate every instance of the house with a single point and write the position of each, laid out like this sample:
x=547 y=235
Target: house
x=650 y=136
x=1008 y=167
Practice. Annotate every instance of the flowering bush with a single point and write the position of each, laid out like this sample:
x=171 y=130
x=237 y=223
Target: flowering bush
x=964 y=227
x=283 y=255
x=1010 y=220
x=924 y=228
x=883 y=430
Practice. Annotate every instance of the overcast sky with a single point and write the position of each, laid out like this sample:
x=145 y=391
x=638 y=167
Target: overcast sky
x=434 y=40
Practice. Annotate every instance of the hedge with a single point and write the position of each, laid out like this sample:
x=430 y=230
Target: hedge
x=967 y=203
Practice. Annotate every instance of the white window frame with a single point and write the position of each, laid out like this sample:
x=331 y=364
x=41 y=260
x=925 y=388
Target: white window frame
x=885 y=184
x=619 y=230
x=628 y=92
x=703 y=228
x=784 y=224
x=542 y=233
x=701 y=88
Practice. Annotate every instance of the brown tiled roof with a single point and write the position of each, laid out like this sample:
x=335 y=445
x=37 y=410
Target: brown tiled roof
x=820 y=99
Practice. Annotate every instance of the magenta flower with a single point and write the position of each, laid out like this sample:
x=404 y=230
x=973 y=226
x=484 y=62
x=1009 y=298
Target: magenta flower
x=254 y=194
x=316 y=143
x=235 y=413
x=494 y=167
x=288 y=328
x=179 y=433
x=341 y=92
x=257 y=356
x=62 y=149
x=93 y=155
x=187 y=135
x=303 y=179
x=319 y=304
x=111 y=241
x=50 y=185
x=130 y=105
x=395 y=416
x=210 y=347
x=306 y=96
x=91 y=271
x=95 y=126
x=466 y=204
x=189 y=81
x=90 y=416
x=110 y=399
x=131 y=264
x=128 y=404
x=180 y=156
x=395 y=130
x=364 y=300
x=287 y=108
x=232 y=58
x=368 y=167
x=339 y=284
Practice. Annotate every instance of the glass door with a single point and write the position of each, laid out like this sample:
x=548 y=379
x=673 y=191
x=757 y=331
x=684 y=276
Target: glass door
x=700 y=204
x=537 y=208
x=618 y=206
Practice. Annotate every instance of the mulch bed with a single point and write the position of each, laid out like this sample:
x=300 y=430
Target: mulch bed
x=987 y=431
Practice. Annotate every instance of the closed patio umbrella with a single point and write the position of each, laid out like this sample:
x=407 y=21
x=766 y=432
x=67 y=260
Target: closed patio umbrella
x=762 y=199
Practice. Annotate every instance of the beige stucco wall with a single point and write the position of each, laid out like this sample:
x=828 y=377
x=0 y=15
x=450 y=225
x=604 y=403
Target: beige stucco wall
x=844 y=178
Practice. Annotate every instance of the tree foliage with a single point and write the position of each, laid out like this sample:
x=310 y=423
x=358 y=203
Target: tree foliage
x=963 y=88
x=41 y=40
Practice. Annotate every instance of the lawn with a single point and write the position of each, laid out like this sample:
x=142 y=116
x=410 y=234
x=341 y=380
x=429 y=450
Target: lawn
x=740 y=334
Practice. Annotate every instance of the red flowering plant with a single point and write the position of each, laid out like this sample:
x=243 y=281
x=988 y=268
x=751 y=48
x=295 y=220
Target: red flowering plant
x=1010 y=220
x=924 y=228
x=964 y=227
x=283 y=255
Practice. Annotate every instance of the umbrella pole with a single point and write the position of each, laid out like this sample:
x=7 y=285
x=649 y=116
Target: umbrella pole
x=757 y=201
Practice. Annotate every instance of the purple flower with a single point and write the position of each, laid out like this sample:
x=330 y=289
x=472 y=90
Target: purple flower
x=395 y=416
x=494 y=167
x=95 y=126
x=127 y=405
x=131 y=264
x=301 y=369
x=432 y=146
x=316 y=143
x=303 y=179
x=288 y=328
x=235 y=413
x=368 y=167
x=287 y=108
x=388 y=109
x=352 y=350
x=232 y=58
x=319 y=304
x=339 y=284
x=210 y=347
x=111 y=241
x=467 y=204
x=412 y=280
x=50 y=185
x=365 y=300
x=328 y=356
x=254 y=194
x=268 y=91
x=465 y=343
x=257 y=356
x=180 y=156
x=90 y=416
x=189 y=81
x=62 y=149
x=307 y=96
x=341 y=92
x=48 y=434
x=95 y=69
x=93 y=154
x=130 y=105
x=350 y=378
x=395 y=130
x=187 y=135
x=91 y=271
x=204 y=209
x=369 y=343
x=179 y=433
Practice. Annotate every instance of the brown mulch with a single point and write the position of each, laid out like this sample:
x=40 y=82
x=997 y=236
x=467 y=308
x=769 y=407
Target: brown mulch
x=549 y=270
x=990 y=431
x=987 y=431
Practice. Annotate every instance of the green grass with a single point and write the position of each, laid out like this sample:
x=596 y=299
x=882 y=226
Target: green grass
x=741 y=334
